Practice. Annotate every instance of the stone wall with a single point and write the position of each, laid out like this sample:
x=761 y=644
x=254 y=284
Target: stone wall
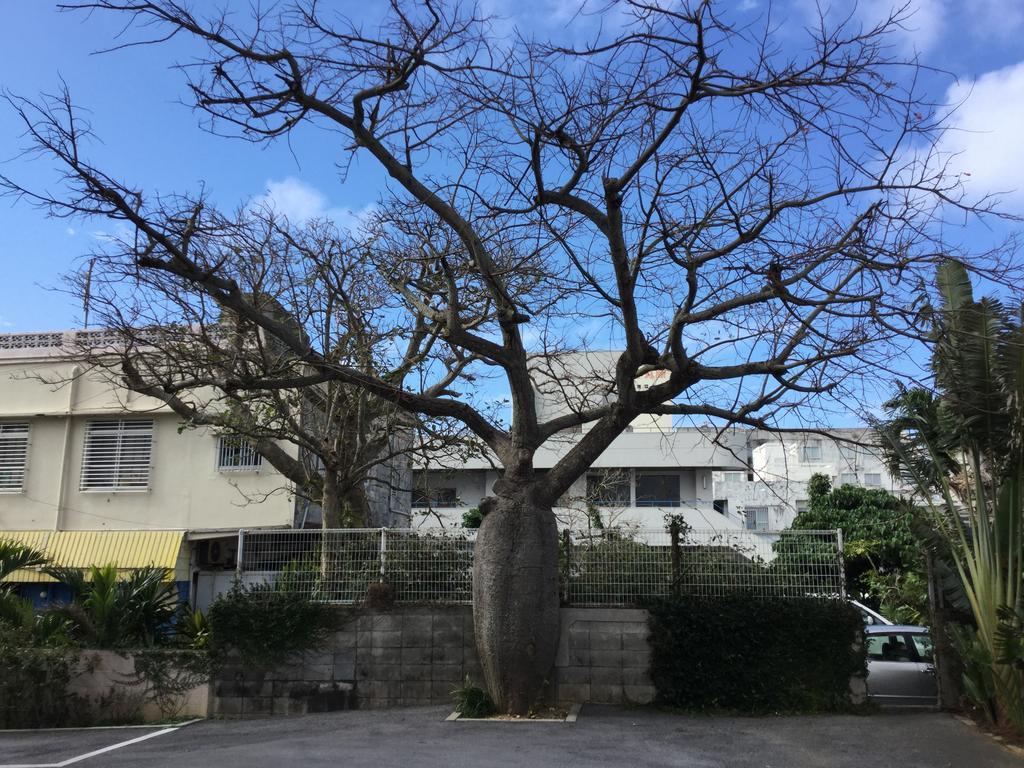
x=416 y=655
x=404 y=657
x=604 y=656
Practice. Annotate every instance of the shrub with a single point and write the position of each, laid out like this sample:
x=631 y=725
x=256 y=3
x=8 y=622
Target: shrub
x=111 y=610
x=430 y=567
x=472 y=700
x=472 y=518
x=34 y=682
x=264 y=625
x=743 y=653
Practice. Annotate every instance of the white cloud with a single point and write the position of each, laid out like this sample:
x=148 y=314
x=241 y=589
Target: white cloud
x=299 y=202
x=748 y=5
x=5 y=323
x=71 y=231
x=985 y=131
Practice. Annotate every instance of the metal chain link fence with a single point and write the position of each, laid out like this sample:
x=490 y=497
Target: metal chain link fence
x=605 y=568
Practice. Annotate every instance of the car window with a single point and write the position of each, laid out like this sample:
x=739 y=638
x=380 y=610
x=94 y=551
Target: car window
x=889 y=648
x=923 y=644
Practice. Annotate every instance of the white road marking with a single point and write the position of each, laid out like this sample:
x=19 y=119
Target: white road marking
x=111 y=748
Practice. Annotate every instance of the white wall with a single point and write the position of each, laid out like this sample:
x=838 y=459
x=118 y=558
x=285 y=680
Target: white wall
x=781 y=471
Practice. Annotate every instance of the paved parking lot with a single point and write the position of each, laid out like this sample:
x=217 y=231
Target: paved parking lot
x=603 y=736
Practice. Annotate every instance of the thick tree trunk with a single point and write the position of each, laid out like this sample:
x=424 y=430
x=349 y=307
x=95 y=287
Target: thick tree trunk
x=948 y=668
x=331 y=502
x=515 y=601
x=343 y=506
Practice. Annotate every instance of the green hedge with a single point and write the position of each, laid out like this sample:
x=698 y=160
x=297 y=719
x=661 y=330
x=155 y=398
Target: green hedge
x=34 y=683
x=264 y=625
x=754 y=654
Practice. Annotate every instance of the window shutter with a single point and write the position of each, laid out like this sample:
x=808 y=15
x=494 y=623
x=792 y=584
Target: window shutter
x=118 y=455
x=13 y=456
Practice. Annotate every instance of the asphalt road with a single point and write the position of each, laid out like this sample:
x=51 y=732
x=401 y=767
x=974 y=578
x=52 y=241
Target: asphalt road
x=603 y=736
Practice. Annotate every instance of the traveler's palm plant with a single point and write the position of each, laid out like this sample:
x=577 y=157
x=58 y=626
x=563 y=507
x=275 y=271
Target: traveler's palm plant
x=964 y=452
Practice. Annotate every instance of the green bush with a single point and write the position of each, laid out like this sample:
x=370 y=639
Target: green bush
x=34 y=682
x=473 y=518
x=739 y=652
x=264 y=625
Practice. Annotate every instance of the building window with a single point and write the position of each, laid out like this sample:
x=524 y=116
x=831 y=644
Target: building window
x=757 y=518
x=609 y=489
x=657 y=490
x=847 y=478
x=237 y=454
x=873 y=479
x=117 y=456
x=434 y=498
x=801 y=506
x=810 y=451
x=734 y=477
x=13 y=456
x=721 y=506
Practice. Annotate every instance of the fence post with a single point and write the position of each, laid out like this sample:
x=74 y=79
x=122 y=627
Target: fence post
x=842 y=563
x=567 y=568
x=239 y=553
x=673 y=532
x=383 y=552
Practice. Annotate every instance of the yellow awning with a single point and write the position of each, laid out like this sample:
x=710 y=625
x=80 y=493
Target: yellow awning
x=127 y=550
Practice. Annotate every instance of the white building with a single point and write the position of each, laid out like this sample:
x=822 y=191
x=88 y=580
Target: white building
x=732 y=479
x=773 y=490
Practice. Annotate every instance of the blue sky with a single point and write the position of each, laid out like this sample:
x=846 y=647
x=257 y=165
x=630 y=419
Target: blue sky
x=149 y=138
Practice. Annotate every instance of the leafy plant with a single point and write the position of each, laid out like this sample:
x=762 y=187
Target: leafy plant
x=17 y=613
x=14 y=556
x=264 y=625
x=879 y=545
x=34 y=682
x=167 y=674
x=472 y=518
x=902 y=596
x=194 y=629
x=472 y=701
x=978 y=680
x=111 y=610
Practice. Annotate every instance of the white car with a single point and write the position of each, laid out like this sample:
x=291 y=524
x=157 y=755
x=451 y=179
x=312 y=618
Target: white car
x=871 y=617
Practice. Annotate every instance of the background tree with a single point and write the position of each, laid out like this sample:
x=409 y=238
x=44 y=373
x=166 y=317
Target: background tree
x=881 y=553
x=755 y=224
x=216 y=368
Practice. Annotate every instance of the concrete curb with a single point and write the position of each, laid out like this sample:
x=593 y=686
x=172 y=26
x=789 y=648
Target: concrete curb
x=571 y=717
x=1012 y=748
x=67 y=729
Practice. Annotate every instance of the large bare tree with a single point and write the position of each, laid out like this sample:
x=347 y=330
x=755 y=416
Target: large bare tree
x=753 y=220
x=338 y=445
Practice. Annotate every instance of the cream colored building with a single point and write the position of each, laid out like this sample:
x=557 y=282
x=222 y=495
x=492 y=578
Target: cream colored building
x=91 y=474
x=78 y=452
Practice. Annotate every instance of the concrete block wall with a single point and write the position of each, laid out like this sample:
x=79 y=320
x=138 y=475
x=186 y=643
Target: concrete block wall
x=416 y=655
x=406 y=657
x=604 y=656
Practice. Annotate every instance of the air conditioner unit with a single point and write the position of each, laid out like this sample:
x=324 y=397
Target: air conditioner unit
x=215 y=553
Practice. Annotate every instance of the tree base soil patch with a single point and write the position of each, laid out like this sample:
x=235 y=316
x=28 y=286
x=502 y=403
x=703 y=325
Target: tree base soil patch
x=540 y=715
